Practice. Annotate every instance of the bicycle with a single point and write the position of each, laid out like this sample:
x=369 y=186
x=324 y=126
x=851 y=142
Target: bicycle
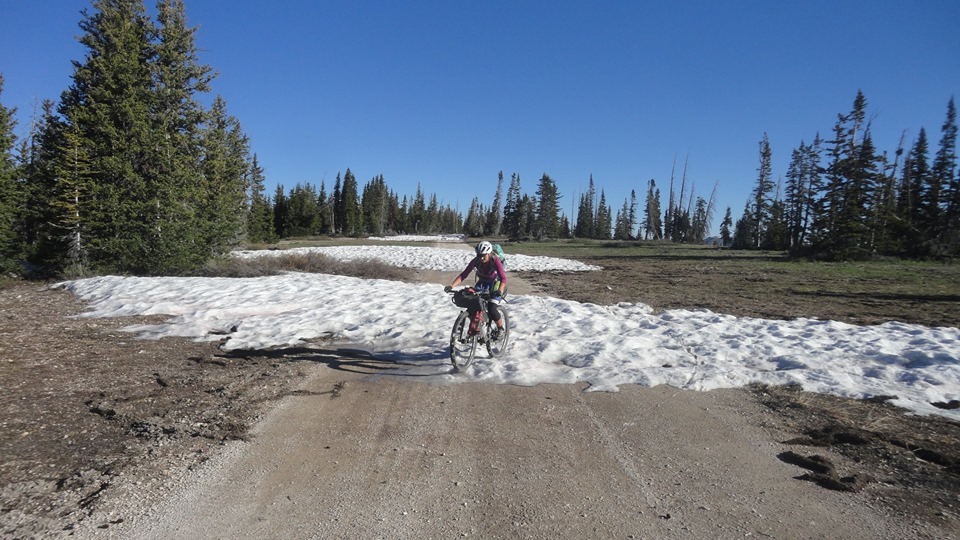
x=467 y=334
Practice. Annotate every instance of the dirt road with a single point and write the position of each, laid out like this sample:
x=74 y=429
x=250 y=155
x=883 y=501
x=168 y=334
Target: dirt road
x=357 y=457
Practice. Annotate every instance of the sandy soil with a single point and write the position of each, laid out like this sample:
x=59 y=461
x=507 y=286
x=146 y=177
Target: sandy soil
x=103 y=436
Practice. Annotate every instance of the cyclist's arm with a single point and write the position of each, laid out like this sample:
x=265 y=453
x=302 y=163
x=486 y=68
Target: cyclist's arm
x=465 y=274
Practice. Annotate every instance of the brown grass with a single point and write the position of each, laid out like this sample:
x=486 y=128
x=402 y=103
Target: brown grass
x=307 y=262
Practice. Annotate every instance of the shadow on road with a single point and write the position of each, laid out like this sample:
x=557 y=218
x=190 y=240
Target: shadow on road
x=351 y=360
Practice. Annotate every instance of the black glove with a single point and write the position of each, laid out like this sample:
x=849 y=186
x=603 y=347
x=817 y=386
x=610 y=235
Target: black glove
x=447 y=289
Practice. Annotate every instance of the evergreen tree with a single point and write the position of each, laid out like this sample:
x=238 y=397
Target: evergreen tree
x=433 y=216
x=604 y=219
x=260 y=219
x=944 y=175
x=668 y=218
x=185 y=225
x=398 y=221
x=526 y=217
x=777 y=234
x=513 y=210
x=844 y=230
x=652 y=224
x=281 y=211
x=225 y=167
x=726 y=238
x=700 y=222
x=42 y=156
x=418 y=213
x=743 y=233
x=474 y=224
x=547 y=221
x=585 y=213
x=565 y=231
x=374 y=205
x=303 y=218
x=621 y=227
x=109 y=106
x=632 y=216
x=337 y=206
x=351 y=217
x=325 y=206
x=761 y=194
x=70 y=201
x=10 y=192
x=494 y=218
x=803 y=185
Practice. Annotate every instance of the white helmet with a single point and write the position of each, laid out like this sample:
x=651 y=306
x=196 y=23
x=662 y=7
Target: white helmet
x=483 y=248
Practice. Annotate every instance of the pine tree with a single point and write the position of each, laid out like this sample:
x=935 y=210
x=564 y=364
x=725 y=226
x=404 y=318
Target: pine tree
x=351 y=217
x=338 y=205
x=260 y=219
x=513 y=210
x=547 y=221
x=726 y=238
x=700 y=222
x=652 y=224
x=473 y=226
x=10 y=193
x=303 y=219
x=41 y=155
x=325 y=208
x=70 y=201
x=840 y=228
x=604 y=219
x=418 y=213
x=109 y=106
x=526 y=216
x=944 y=175
x=374 y=206
x=585 y=213
x=185 y=204
x=225 y=166
x=668 y=218
x=743 y=233
x=280 y=212
x=621 y=225
x=761 y=193
x=494 y=218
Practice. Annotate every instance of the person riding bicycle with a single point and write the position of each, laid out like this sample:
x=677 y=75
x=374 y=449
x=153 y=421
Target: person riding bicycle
x=490 y=277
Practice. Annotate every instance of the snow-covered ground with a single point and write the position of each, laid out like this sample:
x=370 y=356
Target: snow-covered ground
x=553 y=340
x=421 y=238
x=428 y=258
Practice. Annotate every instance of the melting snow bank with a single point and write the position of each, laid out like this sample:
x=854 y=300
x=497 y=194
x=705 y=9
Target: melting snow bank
x=421 y=238
x=429 y=258
x=553 y=341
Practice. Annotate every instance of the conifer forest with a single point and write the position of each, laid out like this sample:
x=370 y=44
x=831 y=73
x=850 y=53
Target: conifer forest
x=128 y=172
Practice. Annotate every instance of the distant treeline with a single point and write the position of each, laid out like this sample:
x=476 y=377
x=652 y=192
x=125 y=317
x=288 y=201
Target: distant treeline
x=843 y=199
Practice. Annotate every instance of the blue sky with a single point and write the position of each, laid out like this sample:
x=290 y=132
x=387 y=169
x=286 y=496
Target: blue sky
x=447 y=94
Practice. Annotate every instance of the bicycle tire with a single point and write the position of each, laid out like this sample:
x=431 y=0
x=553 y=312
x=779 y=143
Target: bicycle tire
x=463 y=347
x=498 y=347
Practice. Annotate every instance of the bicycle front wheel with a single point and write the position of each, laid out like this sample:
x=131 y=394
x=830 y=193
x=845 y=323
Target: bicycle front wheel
x=497 y=347
x=463 y=347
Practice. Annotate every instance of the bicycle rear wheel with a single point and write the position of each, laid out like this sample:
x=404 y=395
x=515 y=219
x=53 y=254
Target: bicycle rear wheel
x=463 y=347
x=498 y=347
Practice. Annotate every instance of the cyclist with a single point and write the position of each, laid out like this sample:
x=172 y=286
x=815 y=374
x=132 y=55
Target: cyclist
x=490 y=277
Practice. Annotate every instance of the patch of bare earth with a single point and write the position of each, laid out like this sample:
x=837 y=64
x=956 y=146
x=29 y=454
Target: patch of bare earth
x=85 y=405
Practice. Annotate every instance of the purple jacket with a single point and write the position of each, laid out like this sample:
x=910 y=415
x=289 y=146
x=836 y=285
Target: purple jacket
x=486 y=273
